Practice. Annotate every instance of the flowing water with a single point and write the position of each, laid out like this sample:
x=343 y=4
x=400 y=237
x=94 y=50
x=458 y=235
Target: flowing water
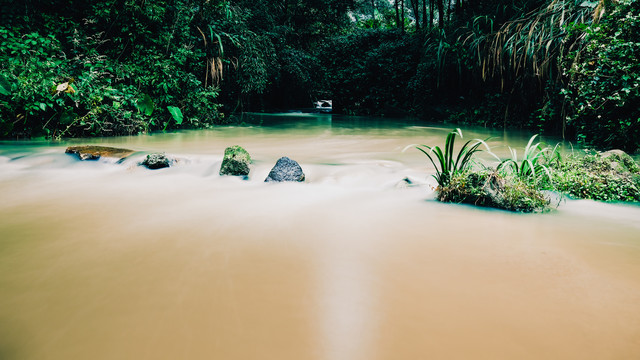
x=106 y=260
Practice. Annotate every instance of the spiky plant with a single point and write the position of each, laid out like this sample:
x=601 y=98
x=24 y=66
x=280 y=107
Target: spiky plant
x=523 y=57
x=533 y=165
x=531 y=44
x=449 y=163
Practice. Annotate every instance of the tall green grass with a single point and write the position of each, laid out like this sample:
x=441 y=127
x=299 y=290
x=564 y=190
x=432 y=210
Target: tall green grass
x=446 y=161
x=533 y=167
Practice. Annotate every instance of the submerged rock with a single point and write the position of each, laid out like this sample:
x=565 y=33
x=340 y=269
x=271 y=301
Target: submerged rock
x=235 y=162
x=285 y=169
x=93 y=152
x=156 y=161
x=408 y=182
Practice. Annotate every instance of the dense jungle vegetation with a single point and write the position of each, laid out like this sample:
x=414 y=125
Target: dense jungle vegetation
x=110 y=67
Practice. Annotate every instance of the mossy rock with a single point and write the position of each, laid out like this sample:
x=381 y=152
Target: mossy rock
x=620 y=161
x=156 y=161
x=610 y=176
x=94 y=152
x=235 y=162
x=492 y=189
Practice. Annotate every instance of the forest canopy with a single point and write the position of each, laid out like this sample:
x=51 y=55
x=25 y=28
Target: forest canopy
x=113 y=67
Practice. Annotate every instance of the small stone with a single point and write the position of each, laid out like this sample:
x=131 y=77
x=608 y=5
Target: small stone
x=404 y=183
x=285 y=169
x=235 y=162
x=93 y=152
x=156 y=161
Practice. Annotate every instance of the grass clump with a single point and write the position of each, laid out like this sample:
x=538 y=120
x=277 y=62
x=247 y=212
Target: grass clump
x=509 y=190
x=491 y=188
x=518 y=183
x=610 y=176
x=449 y=163
x=533 y=166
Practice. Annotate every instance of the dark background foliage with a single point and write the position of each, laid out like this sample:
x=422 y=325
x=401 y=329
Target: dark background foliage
x=94 y=68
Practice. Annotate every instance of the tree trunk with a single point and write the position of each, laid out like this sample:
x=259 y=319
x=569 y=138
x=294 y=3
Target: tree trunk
x=285 y=13
x=458 y=9
x=402 y=16
x=395 y=3
x=424 y=14
x=373 y=10
x=415 y=5
x=440 y=13
x=431 y=7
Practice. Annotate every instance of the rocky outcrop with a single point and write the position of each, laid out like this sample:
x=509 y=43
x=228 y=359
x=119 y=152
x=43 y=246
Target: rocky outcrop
x=490 y=188
x=93 y=152
x=285 y=170
x=156 y=161
x=235 y=162
x=621 y=162
x=608 y=176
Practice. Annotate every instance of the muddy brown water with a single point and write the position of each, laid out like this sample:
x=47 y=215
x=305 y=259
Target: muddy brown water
x=100 y=260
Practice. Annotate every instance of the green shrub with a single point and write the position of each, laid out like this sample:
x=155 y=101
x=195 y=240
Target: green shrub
x=608 y=177
x=114 y=71
x=31 y=67
x=371 y=71
x=604 y=87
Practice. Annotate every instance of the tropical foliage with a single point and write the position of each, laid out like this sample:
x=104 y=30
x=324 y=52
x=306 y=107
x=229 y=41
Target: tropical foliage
x=117 y=70
x=519 y=185
x=447 y=163
x=604 y=87
x=71 y=68
x=598 y=176
x=534 y=165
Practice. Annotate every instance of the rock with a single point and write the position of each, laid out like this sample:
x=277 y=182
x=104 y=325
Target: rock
x=620 y=161
x=491 y=189
x=285 y=169
x=404 y=183
x=156 y=161
x=93 y=152
x=614 y=152
x=408 y=182
x=235 y=162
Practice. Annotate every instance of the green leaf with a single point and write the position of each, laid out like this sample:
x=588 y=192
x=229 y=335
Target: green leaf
x=145 y=105
x=5 y=87
x=67 y=117
x=43 y=106
x=176 y=113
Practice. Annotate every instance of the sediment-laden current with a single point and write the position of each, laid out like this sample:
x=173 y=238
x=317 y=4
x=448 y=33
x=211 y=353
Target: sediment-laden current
x=107 y=260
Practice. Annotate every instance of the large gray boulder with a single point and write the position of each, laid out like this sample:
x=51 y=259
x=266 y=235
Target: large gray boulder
x=156 y=161
x=235 y=162
x=285 y=170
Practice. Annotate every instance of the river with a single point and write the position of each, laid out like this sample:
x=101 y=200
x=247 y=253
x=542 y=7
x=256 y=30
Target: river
x=106 y=260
